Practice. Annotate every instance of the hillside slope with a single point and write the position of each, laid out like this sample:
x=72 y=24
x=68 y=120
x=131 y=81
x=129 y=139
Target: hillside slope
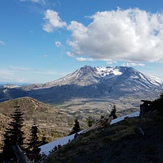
x=51 y=122
x=120 y=142
x=136 y=140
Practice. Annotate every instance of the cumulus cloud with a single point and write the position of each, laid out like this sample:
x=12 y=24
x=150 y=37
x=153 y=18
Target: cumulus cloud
x=123 y=35
x=2 y=43
x=52 y=21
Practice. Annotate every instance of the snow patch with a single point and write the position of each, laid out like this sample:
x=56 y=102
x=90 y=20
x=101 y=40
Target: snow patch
x=105 y=71
x=45 y=149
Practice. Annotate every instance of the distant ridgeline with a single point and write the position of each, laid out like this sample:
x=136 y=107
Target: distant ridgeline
x=152 y=106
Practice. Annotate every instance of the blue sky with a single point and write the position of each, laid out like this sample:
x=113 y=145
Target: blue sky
x=43 y=40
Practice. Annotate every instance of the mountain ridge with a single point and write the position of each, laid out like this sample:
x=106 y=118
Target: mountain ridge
x=96 y=73
x=90 y=82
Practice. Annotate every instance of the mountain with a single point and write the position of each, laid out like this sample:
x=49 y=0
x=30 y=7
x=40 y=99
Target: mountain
x=92 y=89
x=88 y=75
x=97 y=82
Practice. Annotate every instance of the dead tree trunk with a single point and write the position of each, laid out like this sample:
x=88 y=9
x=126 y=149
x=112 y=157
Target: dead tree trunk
x=21 y=157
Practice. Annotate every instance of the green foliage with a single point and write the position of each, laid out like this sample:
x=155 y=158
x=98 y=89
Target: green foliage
x=13 y=135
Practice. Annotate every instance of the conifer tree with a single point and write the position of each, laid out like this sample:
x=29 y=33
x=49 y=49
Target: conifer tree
x=33 y=142
x=14 y=134
x=33 y=146
x=113 y=112
x=76 y=127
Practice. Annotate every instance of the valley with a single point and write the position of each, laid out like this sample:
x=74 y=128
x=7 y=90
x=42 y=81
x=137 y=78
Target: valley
x=83 y=108
x=56 y=121
x=87 y=92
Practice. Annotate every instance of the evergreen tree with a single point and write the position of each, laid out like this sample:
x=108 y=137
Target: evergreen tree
x=33 y=142
x=113 y=112
x=76 y=127
x=33 y=146
x=13 y=135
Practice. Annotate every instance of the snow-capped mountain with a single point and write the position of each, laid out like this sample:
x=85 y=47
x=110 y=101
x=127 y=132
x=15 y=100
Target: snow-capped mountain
x=94 y=75
x=86 y=75
x=10 y=86
x=96 y=82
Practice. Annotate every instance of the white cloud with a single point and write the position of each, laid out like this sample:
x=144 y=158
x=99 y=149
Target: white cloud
x=58 y=44
x=9 y=76
x=79 y=58
x=110 y=62
x=84 y=59
x=52 y=21
x=70 y=54
x=132 y=64
x=20 y=68
x=123 y=35
x=36 y=1
x=2 y=43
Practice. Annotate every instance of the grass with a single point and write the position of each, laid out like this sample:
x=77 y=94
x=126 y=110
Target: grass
x=121 y=142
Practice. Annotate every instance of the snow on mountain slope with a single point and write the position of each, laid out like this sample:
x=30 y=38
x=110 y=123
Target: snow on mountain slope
x=155 y=80
x=135 y=114
x=88 y=75
x=45 y=149
x=105 y=71
x=90 y=82
x=98 y=82
x=83 y=76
